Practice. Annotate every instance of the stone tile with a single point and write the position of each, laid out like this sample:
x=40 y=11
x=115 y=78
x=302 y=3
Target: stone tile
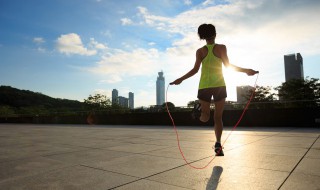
x=191 y=154
x=11 y=141
x=276 y=150
x=171 y=143
x=309 y=166
x=136 y=148
x=30 y=166
x=316 y=145
x=76 y=177
x=222 y=177
x=302 y=181
x=92 y=143
x=48 y=149
x=261 y=161
x=298 y=142
x=313 y=153
x=147 y=184
x=13 y=153
x=87 y=156
x=137 y=165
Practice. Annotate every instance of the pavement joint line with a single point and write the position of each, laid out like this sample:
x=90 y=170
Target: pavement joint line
x=151 y=175
x=138 y=178
x=101 y=169
x=298 y=162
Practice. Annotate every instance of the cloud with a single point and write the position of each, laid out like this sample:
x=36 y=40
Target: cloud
x=96 y=45
x=71 y=44
x=126 y=21
x=187 y=2
x=111 y=79
x=207 y=2
x=116 y=64
x=38 y=40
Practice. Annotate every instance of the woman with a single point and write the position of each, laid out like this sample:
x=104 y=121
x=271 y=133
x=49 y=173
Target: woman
x=211 y=83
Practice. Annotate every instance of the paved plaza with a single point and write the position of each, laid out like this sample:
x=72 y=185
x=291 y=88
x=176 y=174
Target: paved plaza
x=147 y=157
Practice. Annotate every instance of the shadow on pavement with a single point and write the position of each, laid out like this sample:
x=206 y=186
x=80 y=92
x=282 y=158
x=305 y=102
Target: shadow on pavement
x=215 y=178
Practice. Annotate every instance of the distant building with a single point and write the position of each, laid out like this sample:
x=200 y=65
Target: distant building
x=131 y=100
x=242 y=91
x=123 y=102
x=114 y=96
x=160 y=88
x=293 y=66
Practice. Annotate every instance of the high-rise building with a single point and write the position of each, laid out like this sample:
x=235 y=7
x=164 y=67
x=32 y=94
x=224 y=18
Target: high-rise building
x=131 y=100
x=114 y=96
x=160 y=88
x=242 y=91
x=123 y=102
x=293 y=66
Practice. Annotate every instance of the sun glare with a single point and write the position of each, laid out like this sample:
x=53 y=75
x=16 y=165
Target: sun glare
x=233 y=79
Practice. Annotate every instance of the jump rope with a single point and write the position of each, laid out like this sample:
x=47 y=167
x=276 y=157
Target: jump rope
x=235 y=126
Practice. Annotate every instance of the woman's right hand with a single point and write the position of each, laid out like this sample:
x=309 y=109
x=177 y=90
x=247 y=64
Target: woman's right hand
x=251 y=72
x=176 y=82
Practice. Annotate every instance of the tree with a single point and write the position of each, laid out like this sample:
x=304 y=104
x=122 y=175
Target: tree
x=263 y=97
x=6 y=111
x=98 y=101
x=192 y=103
x=171 y=106
x=261 y=94
x=300 y=93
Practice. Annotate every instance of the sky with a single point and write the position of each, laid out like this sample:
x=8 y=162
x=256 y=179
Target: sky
x=76 y=48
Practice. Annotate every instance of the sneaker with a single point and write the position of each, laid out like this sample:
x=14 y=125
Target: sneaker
x=218 y=149
x=196 y=112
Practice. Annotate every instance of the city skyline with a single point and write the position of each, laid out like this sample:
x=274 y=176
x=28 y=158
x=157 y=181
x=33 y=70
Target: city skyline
x=121 y=100
x=71 y=49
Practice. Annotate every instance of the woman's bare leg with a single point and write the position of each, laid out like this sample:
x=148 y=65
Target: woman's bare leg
x=218 y=124
x=205 y=111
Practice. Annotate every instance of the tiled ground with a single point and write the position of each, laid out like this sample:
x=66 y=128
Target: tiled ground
x=147 y=157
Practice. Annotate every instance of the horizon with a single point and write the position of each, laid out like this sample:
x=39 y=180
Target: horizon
x=70 y=50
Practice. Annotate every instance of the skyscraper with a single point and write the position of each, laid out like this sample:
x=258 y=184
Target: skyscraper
x=131 y=100
x=160 y=88
x=114 y=96
x=293 y=66
x=123 y=102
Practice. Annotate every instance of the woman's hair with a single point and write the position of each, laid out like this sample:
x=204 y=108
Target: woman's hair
x=206 y=31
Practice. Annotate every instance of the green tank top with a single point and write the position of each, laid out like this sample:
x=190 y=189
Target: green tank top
x=211 y=71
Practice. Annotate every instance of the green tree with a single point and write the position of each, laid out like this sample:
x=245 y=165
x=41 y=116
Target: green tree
x=171 y=106
x=192 y=103
x=6 y=111
x=300 y=93
x=98 y=101
x=262 y=97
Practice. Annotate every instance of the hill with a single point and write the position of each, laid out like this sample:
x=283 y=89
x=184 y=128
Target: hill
x=23 y=101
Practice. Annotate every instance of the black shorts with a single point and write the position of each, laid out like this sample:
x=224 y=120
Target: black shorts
x=218 y=94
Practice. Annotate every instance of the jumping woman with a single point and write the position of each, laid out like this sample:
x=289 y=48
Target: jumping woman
x=212 y=82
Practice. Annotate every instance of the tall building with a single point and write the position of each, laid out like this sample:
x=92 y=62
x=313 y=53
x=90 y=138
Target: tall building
x=123 y=102
x=293 y=66
x=131 y=100
x=160 y=88
x=242 y=91
x=114 y=96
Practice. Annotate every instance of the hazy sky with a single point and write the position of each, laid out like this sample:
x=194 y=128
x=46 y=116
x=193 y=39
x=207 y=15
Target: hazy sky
x=74 y=48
